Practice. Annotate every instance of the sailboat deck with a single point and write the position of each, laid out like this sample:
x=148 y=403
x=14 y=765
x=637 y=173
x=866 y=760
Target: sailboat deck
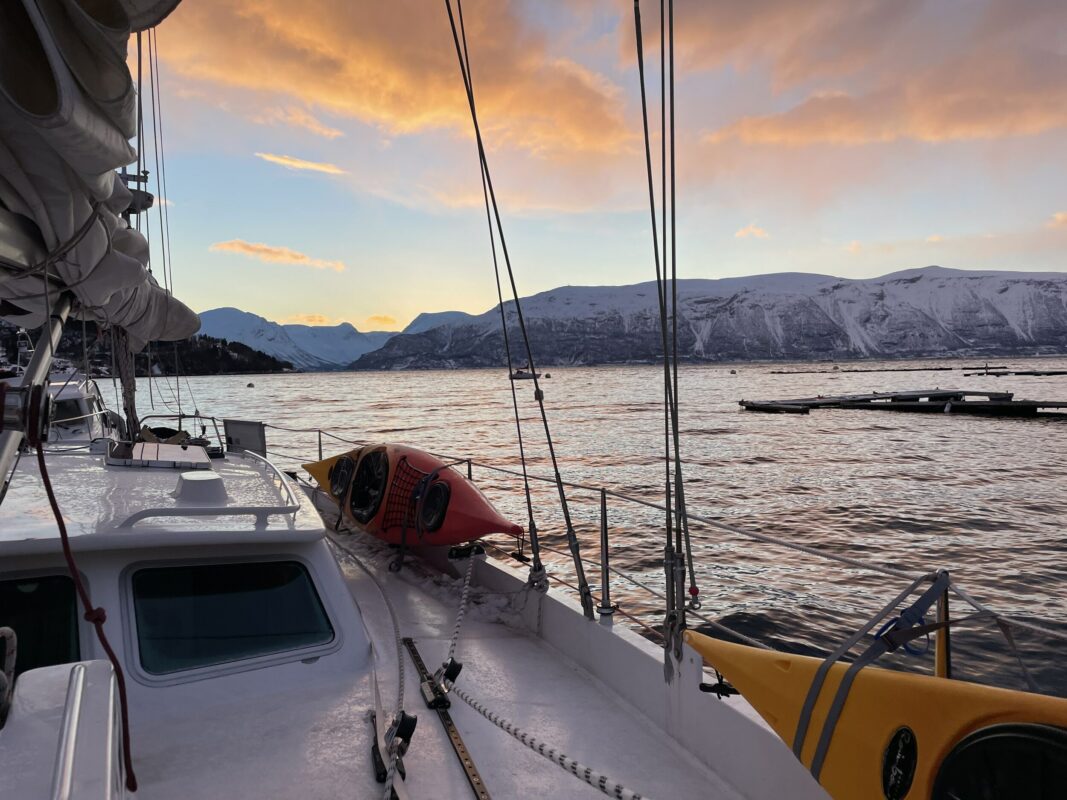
x=530 y=683
x=298 y=726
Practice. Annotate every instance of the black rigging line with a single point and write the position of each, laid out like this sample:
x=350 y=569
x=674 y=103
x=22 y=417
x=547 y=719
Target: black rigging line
x=681 y=516
x=677 y=528
x=140 y=129
x=155 y=153
x=537 y=568
x=572 y=539
x=660 y=287
x=161 y=178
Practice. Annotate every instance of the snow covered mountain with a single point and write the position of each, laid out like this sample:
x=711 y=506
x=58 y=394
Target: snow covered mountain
x=336 y=344
x=309 y=347
x=432 y=319
x=920 y=312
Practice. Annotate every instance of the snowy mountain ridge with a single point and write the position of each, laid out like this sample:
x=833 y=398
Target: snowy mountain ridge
x=928 y=311
x=309 y=347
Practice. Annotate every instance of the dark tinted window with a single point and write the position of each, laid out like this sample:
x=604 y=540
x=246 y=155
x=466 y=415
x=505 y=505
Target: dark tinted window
x=66 y=410
x=194 y=616
x=43 y=614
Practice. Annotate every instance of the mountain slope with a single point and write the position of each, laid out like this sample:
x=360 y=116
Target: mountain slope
x=336 y=344
x=259 y=333
x=432 y=319
x=309 y=347
x=919 y=312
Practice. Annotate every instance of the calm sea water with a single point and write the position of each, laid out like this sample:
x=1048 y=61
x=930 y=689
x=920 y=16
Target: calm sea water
x=983 y=498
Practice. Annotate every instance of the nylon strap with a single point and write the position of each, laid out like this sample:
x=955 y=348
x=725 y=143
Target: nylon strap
x=824 y=668
x=910 y=617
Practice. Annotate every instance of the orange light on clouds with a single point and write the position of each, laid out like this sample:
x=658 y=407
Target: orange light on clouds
x=379 y=322
x=309 y=319
x=393 y=65
x=299 y=118
x=291 y=162
x=750 y=231
x=275 y=255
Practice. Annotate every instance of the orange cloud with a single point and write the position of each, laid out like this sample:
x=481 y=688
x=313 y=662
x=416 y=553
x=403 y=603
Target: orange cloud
x=934 y=238
x=379 y=322
x=976 y=97
x=853 y=247
x=275 y=255
x=798 y=41
x=889 y=70
x=1058 y=220
x=309 y=319
x=752 y=230
x=298 y=118
x=290 y=162
x=393 y=65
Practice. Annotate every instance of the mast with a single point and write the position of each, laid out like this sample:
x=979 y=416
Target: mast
x=20 y=249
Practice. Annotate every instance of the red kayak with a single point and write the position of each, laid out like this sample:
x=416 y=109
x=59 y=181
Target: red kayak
x=403 y=495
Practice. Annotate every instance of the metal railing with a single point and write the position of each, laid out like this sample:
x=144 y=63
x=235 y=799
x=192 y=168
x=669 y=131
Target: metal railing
x=942 y=659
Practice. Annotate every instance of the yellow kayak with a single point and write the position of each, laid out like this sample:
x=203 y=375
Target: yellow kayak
x=901 y=733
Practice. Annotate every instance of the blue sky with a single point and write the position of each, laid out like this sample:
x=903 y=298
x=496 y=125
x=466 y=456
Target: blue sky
x=848 y=139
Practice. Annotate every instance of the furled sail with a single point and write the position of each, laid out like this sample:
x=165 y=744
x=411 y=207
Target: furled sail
x=68 y=108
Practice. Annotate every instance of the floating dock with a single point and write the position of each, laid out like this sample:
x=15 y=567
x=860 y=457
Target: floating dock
x=929 y=401
x=1000 y=373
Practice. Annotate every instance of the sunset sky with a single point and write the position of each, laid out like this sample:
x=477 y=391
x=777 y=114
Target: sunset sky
x=321 y=165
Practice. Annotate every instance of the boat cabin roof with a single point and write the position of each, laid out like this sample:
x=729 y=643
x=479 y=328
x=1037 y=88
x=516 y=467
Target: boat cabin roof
x=154 y=496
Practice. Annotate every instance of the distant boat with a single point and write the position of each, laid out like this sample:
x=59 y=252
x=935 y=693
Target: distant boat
x=524 y=374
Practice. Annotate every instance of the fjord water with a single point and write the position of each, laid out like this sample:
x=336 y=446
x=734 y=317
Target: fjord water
x=983 y=498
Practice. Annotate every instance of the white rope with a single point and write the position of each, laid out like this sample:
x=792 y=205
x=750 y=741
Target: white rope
x=462 y=607
x=588 y=774
x=595 y=779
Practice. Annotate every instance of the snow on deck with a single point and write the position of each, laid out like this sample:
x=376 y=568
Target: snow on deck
x=522 y=678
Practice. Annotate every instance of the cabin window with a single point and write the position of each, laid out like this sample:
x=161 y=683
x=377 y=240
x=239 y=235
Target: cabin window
x=43 y=613
x=202 y=615
x=68 y=412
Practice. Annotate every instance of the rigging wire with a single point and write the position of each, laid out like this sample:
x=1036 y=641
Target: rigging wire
x=572 y=538
x=140 y=126
x=166 y=255
x=678 y=544
x=537 y=570
x=155 y=153
x=161 y=175
x=660 y=290
x=681 y=521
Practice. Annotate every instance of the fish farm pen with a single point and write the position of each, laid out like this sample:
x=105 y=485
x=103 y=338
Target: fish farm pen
x=929 y=401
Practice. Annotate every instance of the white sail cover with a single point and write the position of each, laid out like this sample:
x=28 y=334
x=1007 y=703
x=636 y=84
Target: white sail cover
x=68 y=109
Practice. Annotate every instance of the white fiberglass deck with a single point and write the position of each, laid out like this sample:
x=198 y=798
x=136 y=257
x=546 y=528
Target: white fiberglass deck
x=103 y=505
x=533 y=685
x=539 y=688
x=297 y=726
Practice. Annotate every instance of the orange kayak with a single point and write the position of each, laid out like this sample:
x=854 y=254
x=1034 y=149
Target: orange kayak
x=401 y=494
